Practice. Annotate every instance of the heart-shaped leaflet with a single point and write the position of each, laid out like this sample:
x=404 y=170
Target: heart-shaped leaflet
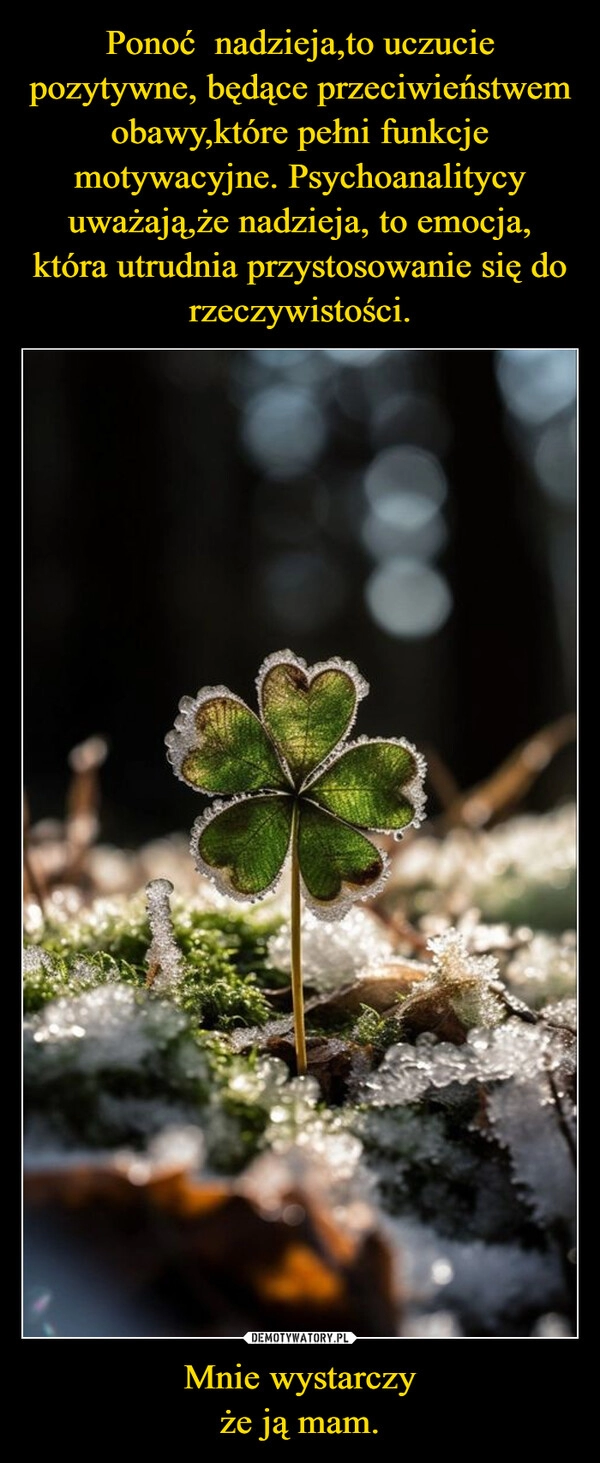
x=308 y=713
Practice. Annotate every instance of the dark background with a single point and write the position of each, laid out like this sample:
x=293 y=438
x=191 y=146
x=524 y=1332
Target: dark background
x=189 y=512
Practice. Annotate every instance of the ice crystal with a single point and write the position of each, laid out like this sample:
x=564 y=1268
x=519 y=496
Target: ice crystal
x=459 y=992
x=545 y=969
x=451 y=959
x=471 y=981
x=165 y=965
x=333 y=953
x=526 y=1123
x=562 y=1013
x=321 y=1138
x=489 y=1283
x=488 y=1055
x=35 y=960
x=108 y=1027
x=522 y=871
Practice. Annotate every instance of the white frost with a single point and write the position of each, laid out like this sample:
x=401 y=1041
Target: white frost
x=164 y=958
x=332 y=953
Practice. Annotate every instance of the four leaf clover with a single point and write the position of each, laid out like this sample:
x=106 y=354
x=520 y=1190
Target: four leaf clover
x=295 y=784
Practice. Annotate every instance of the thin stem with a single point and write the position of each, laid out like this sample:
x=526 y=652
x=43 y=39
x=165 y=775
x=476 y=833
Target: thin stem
x=297 y=996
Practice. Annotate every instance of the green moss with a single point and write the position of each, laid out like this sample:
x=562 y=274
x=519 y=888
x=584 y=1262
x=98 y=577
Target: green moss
x=118 y=928
x=378 y=1032
x=225 y=960
x=47 y=976
x=106 y=1066
x=217 y=997
x=111 y=1068
x=44 y=978
x=234 y=1133
x=245 y=942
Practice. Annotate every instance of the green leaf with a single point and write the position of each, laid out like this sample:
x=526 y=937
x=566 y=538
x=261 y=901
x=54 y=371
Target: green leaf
x=373 y=784
x=307 y=710
x=219 y=745
x=243 y=845
x=336 y=862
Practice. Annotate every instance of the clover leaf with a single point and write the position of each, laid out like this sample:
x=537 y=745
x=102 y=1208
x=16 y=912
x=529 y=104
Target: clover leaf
x=295 y=785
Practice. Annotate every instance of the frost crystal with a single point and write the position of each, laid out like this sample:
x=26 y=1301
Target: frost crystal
x=488 y=1055
x=465 y=984
x=543 y=970
x=522 y=871
x=108 y=1027
x=35 y=960
x=451 y=959
x=562 y=1013
x=333 y=953
x=489 y=1282
x=322 y=1139
x=165 y=965
x=542 y=1163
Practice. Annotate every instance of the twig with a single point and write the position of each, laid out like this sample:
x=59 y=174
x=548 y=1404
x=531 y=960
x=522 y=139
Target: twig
x=508 y=785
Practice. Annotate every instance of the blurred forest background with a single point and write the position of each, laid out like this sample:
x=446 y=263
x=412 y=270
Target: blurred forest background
x=188 y=512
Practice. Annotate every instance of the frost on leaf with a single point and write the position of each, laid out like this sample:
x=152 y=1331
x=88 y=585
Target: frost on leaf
x=294 y=782
x=461 y=991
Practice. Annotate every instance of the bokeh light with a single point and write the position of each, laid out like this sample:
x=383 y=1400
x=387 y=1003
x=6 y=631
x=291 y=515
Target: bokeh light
x=411 y=416
x=405 y=475
x=408 y=598
x=537 y=384
x=358 y=358
x=424 y=539
x=284 y=430
x=554 y=461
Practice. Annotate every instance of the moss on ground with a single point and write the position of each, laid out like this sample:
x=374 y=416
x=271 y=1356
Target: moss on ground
x=225 y=961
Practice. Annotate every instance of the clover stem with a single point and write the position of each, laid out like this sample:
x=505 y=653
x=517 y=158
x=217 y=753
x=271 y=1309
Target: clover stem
x=296 y=941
